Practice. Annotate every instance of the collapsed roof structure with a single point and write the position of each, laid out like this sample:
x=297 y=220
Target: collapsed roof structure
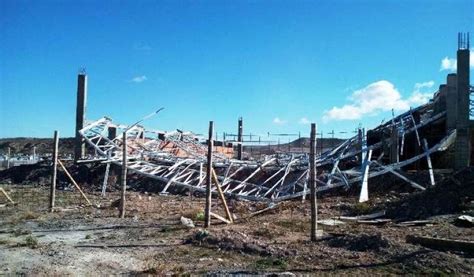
x=438 y=133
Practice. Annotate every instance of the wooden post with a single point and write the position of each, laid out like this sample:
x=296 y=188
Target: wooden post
x=124 y=174
x=52 y=194
x=312 y=183
x=240 y=145
x=207 y=214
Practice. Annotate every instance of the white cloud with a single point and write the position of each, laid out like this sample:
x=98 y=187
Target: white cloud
x=304 y=121
x=139 y=79
x=278 y=121
x=450 y=64
x=377 y=97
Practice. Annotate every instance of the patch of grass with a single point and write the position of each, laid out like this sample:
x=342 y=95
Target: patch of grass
x=21 y=232
x=29 y=215
x=3 y=241
x=294 y=225
x=270 y=262
x=30 y=241
x=199 y=216
x=88 y=236
x=361 y=208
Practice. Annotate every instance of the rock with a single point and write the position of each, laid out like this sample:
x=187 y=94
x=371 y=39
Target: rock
x=187 y=222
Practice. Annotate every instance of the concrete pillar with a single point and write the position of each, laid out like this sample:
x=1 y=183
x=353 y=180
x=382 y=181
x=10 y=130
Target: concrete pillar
x=80 y=147
x=451 y=101
x=462 y=145
x=240 y=140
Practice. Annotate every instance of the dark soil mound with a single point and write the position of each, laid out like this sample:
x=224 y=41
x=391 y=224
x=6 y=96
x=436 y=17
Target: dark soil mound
x=454 y=194
x=359 y=243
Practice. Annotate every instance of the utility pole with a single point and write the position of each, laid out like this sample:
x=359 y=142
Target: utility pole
x=207 y=211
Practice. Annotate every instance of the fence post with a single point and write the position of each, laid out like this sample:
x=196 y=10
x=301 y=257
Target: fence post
x=52 y=194
x=210 y=143
x=312 y=183
x=124 y=174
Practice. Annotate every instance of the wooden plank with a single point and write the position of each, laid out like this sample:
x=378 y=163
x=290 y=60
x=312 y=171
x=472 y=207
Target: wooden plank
x=442 y=244
x=6 y=195
x=221 y=196
x=74 y=182
x=220 y=218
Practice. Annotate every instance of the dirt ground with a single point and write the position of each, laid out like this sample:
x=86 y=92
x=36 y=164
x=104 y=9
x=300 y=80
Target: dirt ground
x=152 y=240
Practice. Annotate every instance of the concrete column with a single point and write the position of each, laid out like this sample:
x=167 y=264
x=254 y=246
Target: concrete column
x=239 y=139
x=451 y=101
x=462 y=145
x=80 y=147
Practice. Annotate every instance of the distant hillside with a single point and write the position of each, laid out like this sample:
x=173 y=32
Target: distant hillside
x=43 y=145
x=66 y=146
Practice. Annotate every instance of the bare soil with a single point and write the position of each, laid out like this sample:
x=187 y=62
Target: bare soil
x=81 y=240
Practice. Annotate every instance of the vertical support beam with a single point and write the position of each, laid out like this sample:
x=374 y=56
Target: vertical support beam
x=364 y=192
x=124 y=175
x=80 y=147
x=462 y=144
x=207 y=212
x=239 y=139
x=8 y=157
x=428 y=160
x=52 y=192
x=394 y=147
x=312 y=183
x=106 y=179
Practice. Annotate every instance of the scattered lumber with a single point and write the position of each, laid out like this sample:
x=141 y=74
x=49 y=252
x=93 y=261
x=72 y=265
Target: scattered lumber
x=442 y=244
x=379 y=221
x=6 y=195
x=415 y=223
x=220 y=218
x=363 y=217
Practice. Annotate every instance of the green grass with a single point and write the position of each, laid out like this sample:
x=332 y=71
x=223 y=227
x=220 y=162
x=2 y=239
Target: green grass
x=30 y=241
x=270 y=262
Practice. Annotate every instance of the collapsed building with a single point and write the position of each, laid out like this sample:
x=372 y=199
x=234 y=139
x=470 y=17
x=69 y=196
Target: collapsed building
x=436 y=135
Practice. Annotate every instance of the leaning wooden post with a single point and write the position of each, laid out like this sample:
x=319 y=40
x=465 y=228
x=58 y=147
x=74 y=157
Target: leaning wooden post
x=52 y=194
x=312 y=183
x=207 y=212
x=124 y=174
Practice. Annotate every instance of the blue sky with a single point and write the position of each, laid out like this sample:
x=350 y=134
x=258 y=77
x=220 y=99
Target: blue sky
x=279 y=64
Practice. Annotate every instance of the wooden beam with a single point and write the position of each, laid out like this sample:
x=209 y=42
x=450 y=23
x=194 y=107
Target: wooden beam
x=6 y=195
x=124 y=175
x=442 y=244
x=312 y=183
x=207 y=211
x=221 y=195
x=74 y=182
